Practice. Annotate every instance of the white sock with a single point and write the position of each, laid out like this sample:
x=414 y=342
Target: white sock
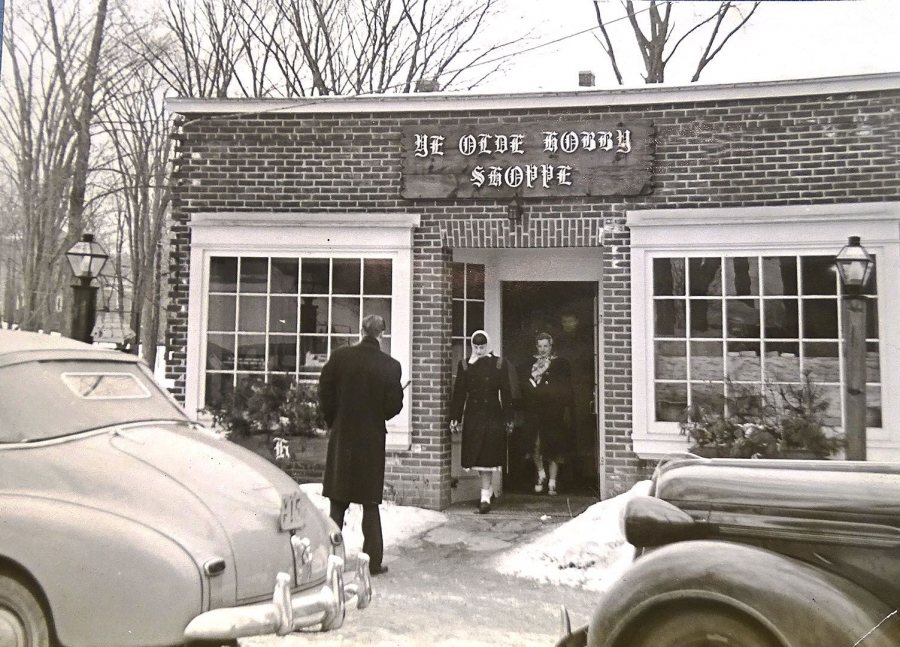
x=542 y=476
x=486 y=496
x=551 y=484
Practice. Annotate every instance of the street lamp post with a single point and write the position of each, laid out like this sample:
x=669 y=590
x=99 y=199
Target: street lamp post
x=86 y=258
x=855 y=266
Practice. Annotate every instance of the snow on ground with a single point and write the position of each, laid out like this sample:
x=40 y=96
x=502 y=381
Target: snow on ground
x=398 y=522
x=588 y=552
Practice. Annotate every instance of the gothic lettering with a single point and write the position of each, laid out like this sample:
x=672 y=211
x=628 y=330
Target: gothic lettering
x=513 y=176
x=623 y=138
x=468 y=145
x=568 y=142
x=427 y=145
x=529 y=175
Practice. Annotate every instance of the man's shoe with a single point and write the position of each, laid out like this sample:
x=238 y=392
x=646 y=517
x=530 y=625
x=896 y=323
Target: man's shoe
x=378 y=570
x=484 y=507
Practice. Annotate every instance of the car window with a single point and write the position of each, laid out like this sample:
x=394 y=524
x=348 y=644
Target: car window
x=105 y=386
x=49 y=399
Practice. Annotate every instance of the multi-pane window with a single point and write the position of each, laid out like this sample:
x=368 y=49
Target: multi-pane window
x=286 y=314
x=468 y=306
x=753 y=324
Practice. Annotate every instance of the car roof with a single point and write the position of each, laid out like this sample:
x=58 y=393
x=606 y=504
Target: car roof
x=17 y=346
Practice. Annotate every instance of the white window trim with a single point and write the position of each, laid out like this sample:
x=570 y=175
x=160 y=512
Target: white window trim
x=383 y=235
x=755 y=231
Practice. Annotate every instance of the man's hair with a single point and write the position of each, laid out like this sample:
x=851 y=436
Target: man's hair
x=373 y=325
x=545 y=335
x=479 y=339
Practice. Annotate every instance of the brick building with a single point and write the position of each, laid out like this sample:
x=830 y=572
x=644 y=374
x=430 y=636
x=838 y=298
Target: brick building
x=670 y=238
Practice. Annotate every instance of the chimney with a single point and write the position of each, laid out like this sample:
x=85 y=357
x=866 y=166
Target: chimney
x=585 y=79
x=428 y=85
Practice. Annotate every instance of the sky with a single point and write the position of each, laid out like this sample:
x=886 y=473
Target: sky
x=783 y=40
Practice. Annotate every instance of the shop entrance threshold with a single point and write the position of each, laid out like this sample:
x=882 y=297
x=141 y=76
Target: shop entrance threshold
x=559 y=508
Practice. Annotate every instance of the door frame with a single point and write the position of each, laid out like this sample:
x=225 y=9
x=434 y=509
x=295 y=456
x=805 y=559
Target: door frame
x=583 y=264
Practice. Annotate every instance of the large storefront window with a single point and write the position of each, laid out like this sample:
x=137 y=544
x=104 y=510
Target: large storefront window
x=468 y=306
x=730 y=326
x=269 y=315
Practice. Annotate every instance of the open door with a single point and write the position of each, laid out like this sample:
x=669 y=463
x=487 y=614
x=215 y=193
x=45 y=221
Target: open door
x=567 y=310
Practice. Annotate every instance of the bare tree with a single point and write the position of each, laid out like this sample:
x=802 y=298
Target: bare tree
x=193 y=44
x=376 y=46
x=79 y=109
x=319 y=47
x=40 y=152
x=659 y=43
x=135 y=123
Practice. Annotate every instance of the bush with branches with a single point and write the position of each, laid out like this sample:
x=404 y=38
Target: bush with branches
x=780 y=421
x=282 y=406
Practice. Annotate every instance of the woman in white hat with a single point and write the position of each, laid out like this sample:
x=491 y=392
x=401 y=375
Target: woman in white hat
x=481 y=407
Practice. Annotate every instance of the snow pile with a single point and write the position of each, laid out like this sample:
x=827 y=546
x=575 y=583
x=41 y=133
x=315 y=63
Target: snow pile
x=398 y=523
x=588 y=552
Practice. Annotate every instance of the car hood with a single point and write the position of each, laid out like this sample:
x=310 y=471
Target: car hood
x=207 y=494
x=835 y=487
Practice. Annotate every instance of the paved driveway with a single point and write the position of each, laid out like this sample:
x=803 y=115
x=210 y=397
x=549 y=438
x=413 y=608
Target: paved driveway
x=441 y=591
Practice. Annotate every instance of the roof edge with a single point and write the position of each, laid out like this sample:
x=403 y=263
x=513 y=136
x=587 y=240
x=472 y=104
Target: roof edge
x=437 y=102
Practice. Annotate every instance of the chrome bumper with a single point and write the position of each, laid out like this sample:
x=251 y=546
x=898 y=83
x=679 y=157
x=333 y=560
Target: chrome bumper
x=286 y=613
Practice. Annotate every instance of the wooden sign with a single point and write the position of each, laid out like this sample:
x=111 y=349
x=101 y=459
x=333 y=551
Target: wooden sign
x=543 y=159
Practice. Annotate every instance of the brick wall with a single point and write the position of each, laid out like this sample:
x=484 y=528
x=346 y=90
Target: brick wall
x=752 y=152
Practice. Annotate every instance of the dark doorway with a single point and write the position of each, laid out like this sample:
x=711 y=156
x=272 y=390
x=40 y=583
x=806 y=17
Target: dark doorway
x=565 y=309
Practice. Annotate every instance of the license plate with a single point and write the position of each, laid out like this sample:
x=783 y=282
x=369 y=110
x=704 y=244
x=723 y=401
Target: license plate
x=292 y=506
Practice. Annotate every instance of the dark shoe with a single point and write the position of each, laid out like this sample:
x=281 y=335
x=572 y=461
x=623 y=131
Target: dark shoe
x=484 y=507
x=378 y=570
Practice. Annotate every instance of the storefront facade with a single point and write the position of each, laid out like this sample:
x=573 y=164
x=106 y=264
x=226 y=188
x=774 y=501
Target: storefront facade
x=671 y=239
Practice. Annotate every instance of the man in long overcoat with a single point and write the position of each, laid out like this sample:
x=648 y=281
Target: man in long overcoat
x=359 y=389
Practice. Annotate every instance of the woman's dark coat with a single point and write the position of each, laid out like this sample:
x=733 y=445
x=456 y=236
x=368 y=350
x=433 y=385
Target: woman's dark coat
x=359 y=390
x=482 y=401
x=549 y=409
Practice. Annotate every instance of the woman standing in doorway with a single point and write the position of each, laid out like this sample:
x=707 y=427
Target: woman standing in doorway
x=549 y=412
x=481 y=407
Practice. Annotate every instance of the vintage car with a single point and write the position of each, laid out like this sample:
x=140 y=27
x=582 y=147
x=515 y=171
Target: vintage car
x=757 y=553
x=122 y=522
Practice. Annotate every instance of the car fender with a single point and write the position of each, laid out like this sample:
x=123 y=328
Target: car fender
x=797 y=603
x=98 y=569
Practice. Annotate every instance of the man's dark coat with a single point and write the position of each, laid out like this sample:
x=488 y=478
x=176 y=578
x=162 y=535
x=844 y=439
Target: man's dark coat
x=359 y=390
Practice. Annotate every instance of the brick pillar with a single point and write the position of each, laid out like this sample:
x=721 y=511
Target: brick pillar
x=622 y=466
x=421 y=475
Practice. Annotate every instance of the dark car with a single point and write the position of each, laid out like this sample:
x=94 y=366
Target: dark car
x=758 y=553
x=123 y=523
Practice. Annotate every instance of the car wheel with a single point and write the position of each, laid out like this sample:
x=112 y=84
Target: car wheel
x=700 y=627
x=23 y=622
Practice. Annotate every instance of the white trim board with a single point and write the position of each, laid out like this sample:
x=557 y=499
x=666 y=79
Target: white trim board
x=584 y=98
x=805 y=229
x=302 y=234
